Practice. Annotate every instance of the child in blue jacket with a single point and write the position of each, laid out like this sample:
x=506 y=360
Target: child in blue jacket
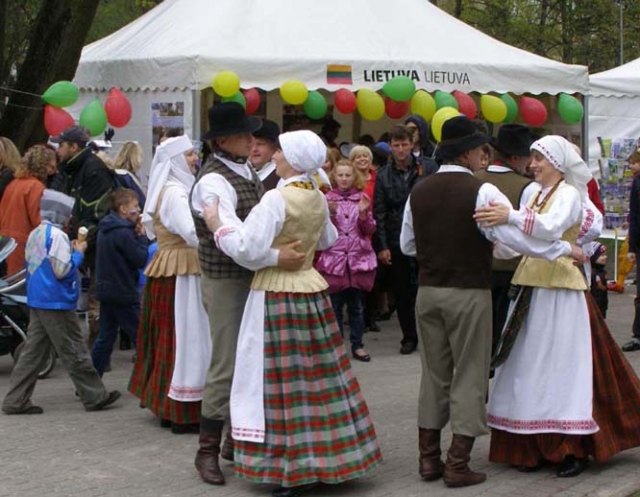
x=52 y=295
x=121 y=252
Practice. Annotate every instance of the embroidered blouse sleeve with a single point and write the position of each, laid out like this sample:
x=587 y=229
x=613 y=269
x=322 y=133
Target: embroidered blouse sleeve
x=510 y=240
x=591 y=223
x=564 y=212
x=249 y=243
x=329 y=233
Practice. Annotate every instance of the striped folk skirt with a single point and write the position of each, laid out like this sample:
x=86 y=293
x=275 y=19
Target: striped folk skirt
x=616 y=410
x=317 y=422
x=156 y=349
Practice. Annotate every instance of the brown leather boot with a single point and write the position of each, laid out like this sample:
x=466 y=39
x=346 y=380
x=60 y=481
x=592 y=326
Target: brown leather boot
x=430 y=465
x=457 y=472
x=207 y=456
x=227 y=447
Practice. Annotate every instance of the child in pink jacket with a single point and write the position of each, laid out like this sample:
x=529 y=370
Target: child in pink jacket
x=349 y=266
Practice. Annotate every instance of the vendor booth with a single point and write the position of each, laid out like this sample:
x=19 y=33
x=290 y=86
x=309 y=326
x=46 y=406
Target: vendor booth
x=166 y=60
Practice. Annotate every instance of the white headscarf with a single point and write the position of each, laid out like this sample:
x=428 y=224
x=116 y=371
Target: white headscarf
x=169 y=166
x=304 y=150
x=563 y=156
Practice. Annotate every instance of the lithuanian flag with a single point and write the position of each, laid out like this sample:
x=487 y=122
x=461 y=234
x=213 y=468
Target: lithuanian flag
x=339 y=74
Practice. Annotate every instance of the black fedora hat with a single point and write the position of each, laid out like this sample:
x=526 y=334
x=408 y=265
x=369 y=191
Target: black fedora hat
x=229 y=118
x=268 y=131
x=460 y=134
x=513 y=139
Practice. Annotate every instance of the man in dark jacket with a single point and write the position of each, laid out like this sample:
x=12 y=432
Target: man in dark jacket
x=88 y=180
x=122 y=251
x=422 y=147
x=393 y=185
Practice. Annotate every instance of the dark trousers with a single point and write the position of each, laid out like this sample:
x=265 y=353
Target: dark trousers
x=635 y=329
x=500 y=285
x=112 y=318
x=353 y=299
x=404 y=285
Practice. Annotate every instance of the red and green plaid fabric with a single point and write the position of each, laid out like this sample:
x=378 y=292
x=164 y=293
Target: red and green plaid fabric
x=512 y=326
x=156 y=349
x=616 y=410
x=317 y=423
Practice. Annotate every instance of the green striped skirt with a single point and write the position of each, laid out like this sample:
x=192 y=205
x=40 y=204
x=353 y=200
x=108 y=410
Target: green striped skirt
x=317 y=422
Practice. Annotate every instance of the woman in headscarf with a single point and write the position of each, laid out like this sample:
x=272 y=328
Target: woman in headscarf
x=564 y=391
x=297 y=413
x=20 y=204
x=174 y=344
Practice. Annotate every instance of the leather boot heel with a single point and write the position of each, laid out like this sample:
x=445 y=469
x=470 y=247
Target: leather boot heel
x=227 y=447
x=430 y=466
x=207 y=457
x=457 y=472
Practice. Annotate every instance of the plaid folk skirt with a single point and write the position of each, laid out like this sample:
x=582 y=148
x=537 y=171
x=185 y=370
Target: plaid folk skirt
x=317 y=426
x=156 y=349
x=616 y=410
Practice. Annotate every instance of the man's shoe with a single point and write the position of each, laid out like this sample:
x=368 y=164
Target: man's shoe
x=107 y=401
x=208 y=451
x=181 y=429
x=373 y=326
x=27 y=410
x=292 y=491
x=614 y=287
x=227 y=447
x=630 y=346
x=571 y=466
x=408 y=347
x=457 y=472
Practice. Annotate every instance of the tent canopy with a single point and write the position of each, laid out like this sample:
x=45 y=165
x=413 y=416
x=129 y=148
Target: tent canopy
x=620 y=81
x=183 y=44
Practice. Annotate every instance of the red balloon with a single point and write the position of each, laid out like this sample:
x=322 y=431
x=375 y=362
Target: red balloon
x=466 y=104
x=56 y=120
x=533 y=111
x=118 y=108
x=345 y=101
x=252 y=97
x=395 y=110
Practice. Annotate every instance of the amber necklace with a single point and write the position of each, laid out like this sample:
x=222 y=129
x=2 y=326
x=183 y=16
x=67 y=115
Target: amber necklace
x=539 y=206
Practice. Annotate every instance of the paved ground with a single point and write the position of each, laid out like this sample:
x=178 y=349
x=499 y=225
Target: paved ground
x=123 y=452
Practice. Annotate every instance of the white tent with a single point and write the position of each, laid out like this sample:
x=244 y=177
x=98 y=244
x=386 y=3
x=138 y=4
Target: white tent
x=182 y=44
x=174 y=51
x=614 y=106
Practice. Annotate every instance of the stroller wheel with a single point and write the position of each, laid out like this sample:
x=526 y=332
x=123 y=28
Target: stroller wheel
x=47 y=367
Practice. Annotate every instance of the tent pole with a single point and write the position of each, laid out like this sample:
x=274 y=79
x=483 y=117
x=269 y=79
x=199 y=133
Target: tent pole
x=585 y=129
x=196 y=114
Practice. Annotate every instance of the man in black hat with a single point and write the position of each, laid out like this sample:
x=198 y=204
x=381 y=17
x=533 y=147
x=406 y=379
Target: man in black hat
x=511 y=159
x=453 y=308
x=264 y=145
x=228 y=178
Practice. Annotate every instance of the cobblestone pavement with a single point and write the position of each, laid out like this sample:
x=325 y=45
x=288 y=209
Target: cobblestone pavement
x=123 y=452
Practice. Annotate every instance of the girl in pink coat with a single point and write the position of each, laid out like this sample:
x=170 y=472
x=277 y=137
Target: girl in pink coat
x=349 y=266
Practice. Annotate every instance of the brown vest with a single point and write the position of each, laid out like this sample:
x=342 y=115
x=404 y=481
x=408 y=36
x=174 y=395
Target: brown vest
x=451 y=250
x=512 y=185
x=214 y=263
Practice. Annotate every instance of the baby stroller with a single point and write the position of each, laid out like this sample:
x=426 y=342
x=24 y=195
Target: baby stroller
x=14 y=312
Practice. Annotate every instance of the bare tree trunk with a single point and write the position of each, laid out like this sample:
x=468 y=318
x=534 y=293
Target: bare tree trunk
x=56 y=42
x=457 y=12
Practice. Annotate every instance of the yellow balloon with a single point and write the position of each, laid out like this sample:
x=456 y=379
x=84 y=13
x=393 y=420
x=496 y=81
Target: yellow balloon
x=294 y=92
x=370 y=105
x=439 y=118
x=226 y=83
x=493 y=108
x=423 y=104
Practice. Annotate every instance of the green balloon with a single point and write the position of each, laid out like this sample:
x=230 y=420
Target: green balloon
x=236 y=97
x=61 y=94
x=512 y=107
x=315 y=106
x=444 y=99
x=570 y=109
x=400 y=88
x=94 y=118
